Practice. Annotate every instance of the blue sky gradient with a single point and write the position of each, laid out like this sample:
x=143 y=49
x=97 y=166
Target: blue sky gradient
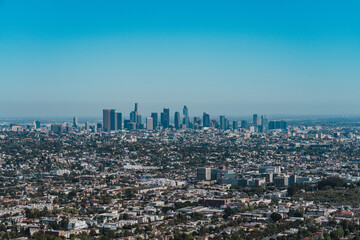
x=67 y=58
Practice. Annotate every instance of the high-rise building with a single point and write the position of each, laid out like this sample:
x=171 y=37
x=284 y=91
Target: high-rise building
x=57 y=128
x=155 y=120
x=137 y=113
x=204 y=174
x=186 y=119
x=165 y=118
x=68 y=129
x=255 y=120
x=206 y=119
x=131 y=126
x=235 y=125
x=281 y=181
x=197 y=120
x=264 y=123
x=140 y=125
x=113 y=120
x=244 y=124
x=149 y=123
x=260 y=129
x=133 y=117
x=264 y=120
x=87 y=126
x=137 y=108
x=222 y=122
x=37 y=124
x=75 y=122
x=278 y=125
x=283 y=125
x=127 y=124
x=227 y=124
x=119 y=121
x=215 y=123
x=177 y=120
x=106 y=120
x=162 y=117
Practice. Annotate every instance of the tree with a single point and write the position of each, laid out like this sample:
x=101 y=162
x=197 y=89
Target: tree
x=337 y=234
x=275 y=217
x=64 y=223
x=326 y=236
x=332 y=182
x=228 y=212
x=2 y=227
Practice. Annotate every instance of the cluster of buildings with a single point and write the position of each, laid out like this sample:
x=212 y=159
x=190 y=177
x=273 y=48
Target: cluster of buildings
x=264 y=175
x=113 y=121
x=200 y=182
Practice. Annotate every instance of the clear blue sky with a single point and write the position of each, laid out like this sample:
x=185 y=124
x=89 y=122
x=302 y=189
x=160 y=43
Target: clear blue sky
x=66 y=58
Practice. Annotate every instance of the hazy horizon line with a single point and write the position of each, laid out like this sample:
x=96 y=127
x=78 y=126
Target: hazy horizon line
x=232 y=117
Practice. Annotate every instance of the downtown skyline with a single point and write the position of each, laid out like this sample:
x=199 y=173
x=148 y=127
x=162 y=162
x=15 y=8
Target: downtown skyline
x=114 y=120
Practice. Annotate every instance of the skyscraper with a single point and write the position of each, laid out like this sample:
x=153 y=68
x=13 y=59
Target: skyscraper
x=235 y=125
x=119 y=121
x=277 y=125
x=133 y=116
x=87 y=126
x=37 y=124
x=227 y=124
x=137 y=114
x=162 y=117
x=127 y=124
x=137 y=108
x=75 y=122
x=57 y=128
x=255 y=120
x=206 y=119
x=155 y=120
x=113 y=120
x=138 y=118
x=283 y=124
x=203 y=174
x=177 y=120
x=106 y=120
x=264 y=122
x=186 y=116
x=149 y=123
x=197 y=120
x=165 y=118
x=244 y=124
x=222 y=122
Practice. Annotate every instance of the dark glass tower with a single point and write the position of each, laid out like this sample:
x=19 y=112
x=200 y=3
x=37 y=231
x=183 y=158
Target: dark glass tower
x=256 y=120
x=155 y=120
x=177 y=120
x=186 y=119
x=206 y=120
x=113 y=120
x=106 y=120
x=165 y=118
x=222 y=122
x=119 y=120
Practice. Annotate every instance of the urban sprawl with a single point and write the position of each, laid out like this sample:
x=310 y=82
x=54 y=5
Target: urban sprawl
x=178 y=177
